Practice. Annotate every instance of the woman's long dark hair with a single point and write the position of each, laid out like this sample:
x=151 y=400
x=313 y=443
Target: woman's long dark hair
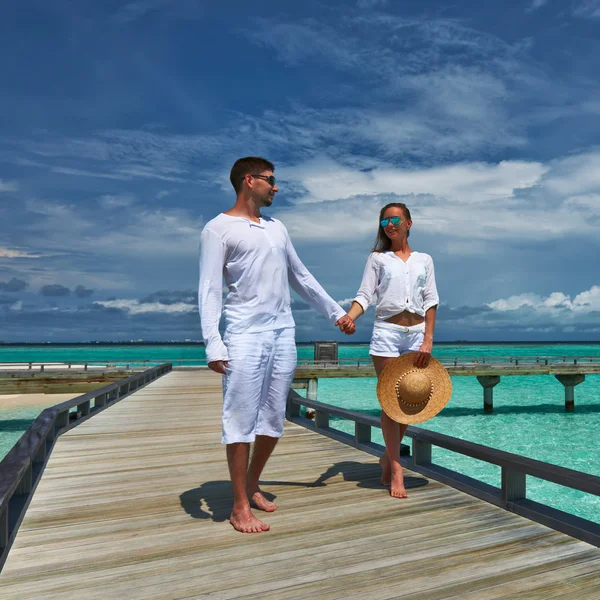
x=383 y=242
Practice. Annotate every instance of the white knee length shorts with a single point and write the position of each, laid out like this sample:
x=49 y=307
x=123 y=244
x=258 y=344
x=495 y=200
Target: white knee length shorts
x=259 y=375
x=392 y=340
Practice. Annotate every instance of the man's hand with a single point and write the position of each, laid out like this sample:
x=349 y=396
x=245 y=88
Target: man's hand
x=424 y=354
x=218 y=366
x=346 y=324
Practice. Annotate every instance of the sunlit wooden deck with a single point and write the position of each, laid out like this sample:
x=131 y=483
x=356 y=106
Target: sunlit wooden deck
x=134 y=503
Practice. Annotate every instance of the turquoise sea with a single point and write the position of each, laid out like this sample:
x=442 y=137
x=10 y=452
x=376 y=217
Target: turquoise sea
x=528 y=418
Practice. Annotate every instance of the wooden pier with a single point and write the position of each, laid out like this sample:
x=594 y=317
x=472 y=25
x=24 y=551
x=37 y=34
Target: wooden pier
x=133 y=504
x=569 y=372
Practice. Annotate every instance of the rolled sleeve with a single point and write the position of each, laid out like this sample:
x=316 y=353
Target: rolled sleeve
x=368 y=285
x=210 y=294
x=308 y=288
x=430 y=294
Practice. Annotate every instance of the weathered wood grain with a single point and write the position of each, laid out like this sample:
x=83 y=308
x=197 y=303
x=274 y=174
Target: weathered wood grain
x=134 y=505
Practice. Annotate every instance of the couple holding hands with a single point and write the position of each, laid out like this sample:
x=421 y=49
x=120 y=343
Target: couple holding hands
x=257 y=353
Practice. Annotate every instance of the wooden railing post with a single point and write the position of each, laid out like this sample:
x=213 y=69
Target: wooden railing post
x=26 y=483
x=421 y=452
x=292 y=409
x=513 y=485
x=62 y=420
x=3 y=530
x=362 y=433
x=321 y=419
x=100 y=400
x=40 y=455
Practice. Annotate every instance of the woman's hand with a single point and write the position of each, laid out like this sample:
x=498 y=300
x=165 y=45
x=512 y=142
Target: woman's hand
x=424 y=354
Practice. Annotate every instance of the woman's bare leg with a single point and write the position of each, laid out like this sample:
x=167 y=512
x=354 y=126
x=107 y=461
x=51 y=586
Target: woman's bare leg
x=392 y=434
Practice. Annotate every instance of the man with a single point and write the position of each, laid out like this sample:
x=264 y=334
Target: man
x=257 y=354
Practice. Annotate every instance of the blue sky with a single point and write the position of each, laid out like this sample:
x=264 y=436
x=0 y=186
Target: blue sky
x=119 y=122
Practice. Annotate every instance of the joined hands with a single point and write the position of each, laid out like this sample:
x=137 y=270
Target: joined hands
x=346 y=324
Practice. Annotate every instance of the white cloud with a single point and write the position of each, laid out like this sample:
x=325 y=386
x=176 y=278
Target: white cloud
x=579 y=174
x=326 y=180
x=467 y=201
x=555 y=304
x=535 y=4
x=8 y=186
x=346 y=302
x=117 y=201
x=588 y=300
x=134 y=307
x=144 y=234
x=12 y=253
x=587 y=9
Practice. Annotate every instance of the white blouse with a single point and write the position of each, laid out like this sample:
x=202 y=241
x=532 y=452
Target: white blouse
x=397 y=285
x=258 y=263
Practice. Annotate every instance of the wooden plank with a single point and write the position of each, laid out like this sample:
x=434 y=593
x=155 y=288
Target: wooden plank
x=134 y=504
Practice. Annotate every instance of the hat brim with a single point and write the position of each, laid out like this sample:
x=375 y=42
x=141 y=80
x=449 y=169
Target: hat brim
x=402 y=412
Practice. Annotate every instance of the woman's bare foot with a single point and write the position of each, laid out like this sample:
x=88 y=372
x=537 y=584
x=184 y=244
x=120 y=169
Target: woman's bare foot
x=257 y=500
x=386 y=470
x=397 y=489
x=245 y=522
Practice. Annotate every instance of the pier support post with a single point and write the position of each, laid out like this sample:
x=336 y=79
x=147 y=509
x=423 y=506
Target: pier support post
x=488 y=382
x=311 y=391
x=570 y=381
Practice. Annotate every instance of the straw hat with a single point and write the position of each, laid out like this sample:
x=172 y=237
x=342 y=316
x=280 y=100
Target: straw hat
x=410 y=395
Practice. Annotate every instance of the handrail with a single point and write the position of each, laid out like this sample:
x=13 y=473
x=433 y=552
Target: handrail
x=467 y=361
x=21 y=469
x=512 y=493
x=471 y=360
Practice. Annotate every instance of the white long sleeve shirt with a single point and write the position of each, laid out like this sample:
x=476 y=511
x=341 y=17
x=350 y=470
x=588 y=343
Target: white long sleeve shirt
x=258 y=262
x=397 y=286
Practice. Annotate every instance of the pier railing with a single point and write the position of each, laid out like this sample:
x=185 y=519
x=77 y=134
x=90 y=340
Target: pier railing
x=540 y=361
x=347 y=363
x=22 y=468
x=512 y=491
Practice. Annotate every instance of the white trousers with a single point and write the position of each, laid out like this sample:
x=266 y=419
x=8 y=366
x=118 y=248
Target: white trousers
x=255 y=389
x=392 y=340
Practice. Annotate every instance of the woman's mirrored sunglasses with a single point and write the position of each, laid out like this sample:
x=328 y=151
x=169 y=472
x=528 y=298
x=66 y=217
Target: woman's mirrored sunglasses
x=270 y=179
x=395 y=221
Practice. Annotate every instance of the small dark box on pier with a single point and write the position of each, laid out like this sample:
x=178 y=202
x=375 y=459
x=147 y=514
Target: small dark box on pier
x=326 y=351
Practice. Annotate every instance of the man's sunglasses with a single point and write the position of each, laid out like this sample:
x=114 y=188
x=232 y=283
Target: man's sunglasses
x=270 y=179
x=395 y=221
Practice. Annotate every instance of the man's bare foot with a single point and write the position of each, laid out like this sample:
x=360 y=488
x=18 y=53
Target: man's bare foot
x=397 y=489
x=245 y=522
x=386 y=470
x=257 y=500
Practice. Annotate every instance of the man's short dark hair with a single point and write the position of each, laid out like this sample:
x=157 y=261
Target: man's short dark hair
x=243 y=166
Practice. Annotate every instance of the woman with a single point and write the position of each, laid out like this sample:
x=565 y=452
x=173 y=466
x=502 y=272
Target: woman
x=402 y=282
